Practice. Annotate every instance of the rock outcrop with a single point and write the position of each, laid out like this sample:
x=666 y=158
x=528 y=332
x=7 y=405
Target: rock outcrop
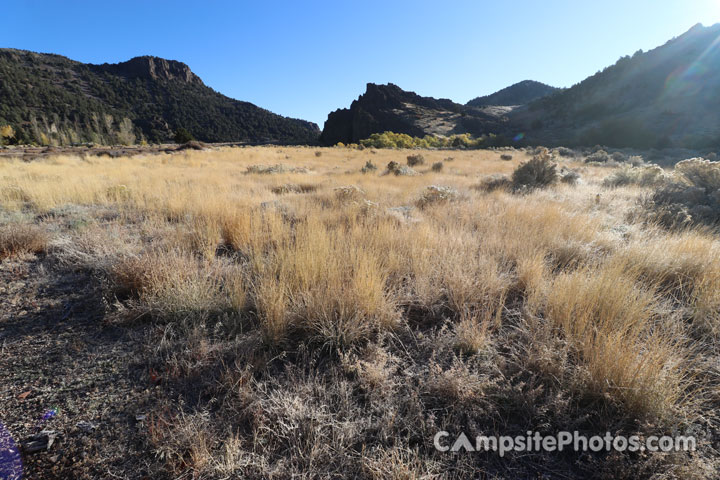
x=389 y=108
x=153 y=68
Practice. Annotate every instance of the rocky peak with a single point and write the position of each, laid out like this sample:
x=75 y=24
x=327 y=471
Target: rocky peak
x=155 y=68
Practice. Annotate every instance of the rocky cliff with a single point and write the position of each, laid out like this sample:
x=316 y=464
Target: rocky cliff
x=389 y=108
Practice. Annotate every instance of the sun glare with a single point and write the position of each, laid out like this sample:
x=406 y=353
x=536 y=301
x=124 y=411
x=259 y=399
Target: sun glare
x=708 y=12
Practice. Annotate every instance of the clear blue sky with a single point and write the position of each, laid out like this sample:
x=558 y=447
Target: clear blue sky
x=306 y=58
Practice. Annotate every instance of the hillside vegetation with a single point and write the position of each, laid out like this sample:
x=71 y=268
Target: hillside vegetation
x=52 y=100
x=661 y=98
x=518 y=94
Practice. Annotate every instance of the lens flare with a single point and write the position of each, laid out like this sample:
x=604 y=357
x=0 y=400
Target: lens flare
x=689 y=80
x=10 y=461
x=518 y=137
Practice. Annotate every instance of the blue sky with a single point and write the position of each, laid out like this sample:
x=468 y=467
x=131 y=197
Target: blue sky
x=306 y=58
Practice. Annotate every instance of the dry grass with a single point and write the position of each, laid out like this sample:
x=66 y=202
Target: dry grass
x=17 y=239
x=347 y=314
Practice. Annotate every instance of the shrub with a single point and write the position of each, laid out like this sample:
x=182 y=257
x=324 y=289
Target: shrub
x=566 y=152
x=369 y=167
x=448 y=159
x=600 y=156
x=414 y=160
x=293 y=188
x=397 y=169
x=16 y=239
x=693 y=197
x=641 y=176
x=277 y=168
x=192 y=145
x=318 y=153
x=539 y=172
x=506 y=157
x=266 y=169
x=401 y=140
x=635 y=160
x=349 y=193
x=437 y=166
x=437 y=194
x=619 y=157
x=183 y=136
x=494 y=182
x=569 y=177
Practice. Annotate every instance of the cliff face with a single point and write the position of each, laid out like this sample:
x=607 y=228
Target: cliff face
x=153 y=68
x=389 y=108
x=50 y=99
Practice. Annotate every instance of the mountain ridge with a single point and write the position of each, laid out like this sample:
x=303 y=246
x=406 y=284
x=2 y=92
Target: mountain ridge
x=666 y=97
x=51 y=99
x=660 y=98
x=519 y=93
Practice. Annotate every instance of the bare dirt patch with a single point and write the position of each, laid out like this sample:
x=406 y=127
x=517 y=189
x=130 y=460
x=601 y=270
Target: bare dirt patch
x=63 y=369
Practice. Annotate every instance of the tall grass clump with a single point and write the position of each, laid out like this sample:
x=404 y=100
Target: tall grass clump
x=174 y=286
x=608 y=318
x=17 y=239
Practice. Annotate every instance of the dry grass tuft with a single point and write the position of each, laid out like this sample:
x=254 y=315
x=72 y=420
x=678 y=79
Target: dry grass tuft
x=18 y=239
x=609 y=319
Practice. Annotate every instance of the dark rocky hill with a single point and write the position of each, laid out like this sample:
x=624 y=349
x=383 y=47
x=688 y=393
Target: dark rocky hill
x=518 y=94
x=51 y=99
x=389 y=108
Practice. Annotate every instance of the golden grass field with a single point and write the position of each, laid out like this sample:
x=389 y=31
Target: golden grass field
x=328 y=331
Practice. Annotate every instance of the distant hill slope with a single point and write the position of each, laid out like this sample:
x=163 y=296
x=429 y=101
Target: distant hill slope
x=52 y=99
x=389 y=108
x=519 y=94
x=669 y=96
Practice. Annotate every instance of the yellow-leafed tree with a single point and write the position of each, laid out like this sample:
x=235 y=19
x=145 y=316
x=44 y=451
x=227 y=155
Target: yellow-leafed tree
x=6 y=132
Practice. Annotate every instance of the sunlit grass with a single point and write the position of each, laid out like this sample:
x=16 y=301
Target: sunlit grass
x=330 y=259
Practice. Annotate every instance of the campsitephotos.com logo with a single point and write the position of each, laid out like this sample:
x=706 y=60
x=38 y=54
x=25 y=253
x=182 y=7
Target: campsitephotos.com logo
x=562 y=441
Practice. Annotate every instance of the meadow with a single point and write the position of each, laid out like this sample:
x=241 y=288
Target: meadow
x=300 y=312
